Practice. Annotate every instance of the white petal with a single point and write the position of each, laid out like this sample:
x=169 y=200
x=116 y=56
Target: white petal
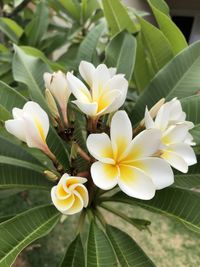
x=158 y=169
x=112 y=71
x=108 y=102
x=175 y=134
x=118 y=82
x=86 y=70
x=78 y=88
x=149 y=123
x=162 y=117
x=17 y=113
x=104 y=175
x=121 y=132
x=17 y=128
x=34 y=110
x=189 y=140
x=184 y=151
x=176 y=112
x=99 y=146
x=61 y=204
x=145 y=144
x=136 y=183
x=77 y=205
x=82 y=190
x=175 y=160
x=89 y=109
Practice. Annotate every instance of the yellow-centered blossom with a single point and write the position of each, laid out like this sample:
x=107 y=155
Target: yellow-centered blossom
x=126 y=162
x=107 y=90
x=70 y=196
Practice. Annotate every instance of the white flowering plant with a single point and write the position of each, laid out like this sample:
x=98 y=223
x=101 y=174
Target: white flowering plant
x=117 y=126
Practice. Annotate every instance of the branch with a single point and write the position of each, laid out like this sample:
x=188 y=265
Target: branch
x=19 y=8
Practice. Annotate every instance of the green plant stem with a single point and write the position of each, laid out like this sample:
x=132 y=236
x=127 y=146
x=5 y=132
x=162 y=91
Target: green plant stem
x=119 y=214
x=19 y=8
x=81 y=222
x=100 y=217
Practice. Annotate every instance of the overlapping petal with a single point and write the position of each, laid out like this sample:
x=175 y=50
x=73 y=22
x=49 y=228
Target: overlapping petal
x=70 y=196
x=107 y=90
x=30 y=124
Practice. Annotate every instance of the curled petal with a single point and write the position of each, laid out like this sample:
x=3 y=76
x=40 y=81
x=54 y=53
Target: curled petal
x=136 y=183
x=89 y=109
x=184 y=151
x=78 y=88
x=175 y=160
x=105 y=176
x=86 y=70
x=149 y=123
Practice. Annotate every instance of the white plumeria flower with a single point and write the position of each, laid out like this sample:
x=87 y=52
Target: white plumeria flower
x=30 y=125
x=176 y=140
x=70 y=196
x=126 y=162
x=58 y=86
x=107 y=90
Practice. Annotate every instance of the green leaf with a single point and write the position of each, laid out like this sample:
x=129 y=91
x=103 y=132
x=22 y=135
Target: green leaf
x=87 y=48
x=9 y=149
x=161 y=5
x=37 y=27
x=29 y=70
x=121 y=53
x=143 y=72
x=4 y=114
x=117 y=17
x=74 y=256
x=71 y=7
x=88 y=7
x=191 y=179
x=11 y=29
x=57 y=146
x=16 y=173
x=178 y=203
x=23 y=229
x=99 y=250
x=10 y=98
x=169 y=29
x=128 y=252
x=158 y=47
x=191 y=106
x=196 y=134
x=179 y=78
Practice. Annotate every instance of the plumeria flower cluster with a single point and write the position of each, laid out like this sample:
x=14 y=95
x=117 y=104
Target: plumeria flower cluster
x=139 y=164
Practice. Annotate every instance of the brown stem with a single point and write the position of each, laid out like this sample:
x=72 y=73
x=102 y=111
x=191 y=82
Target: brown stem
x=83 y=154
x=19 y=8
x=83 y=174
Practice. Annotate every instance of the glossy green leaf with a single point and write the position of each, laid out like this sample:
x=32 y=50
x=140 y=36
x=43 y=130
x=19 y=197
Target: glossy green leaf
x=99 y=250
x=158 y=47
x=88 y=46
x=143 y=71
x=10 y=98
x=72 y=8
x=189 y=180
x=179 y=78
x=117 y=17
x=88 y=7
x=128 y=252
x=178 y=203
x=23 y=229
x=37 y=27
x=29 y=70
x=161 y=5
x=11 y=29
x=74 y=256
x=16 y=173
x=59 y=149
x=169 y=29
x=191 y=106
x=121 y=53
x=4 y=114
